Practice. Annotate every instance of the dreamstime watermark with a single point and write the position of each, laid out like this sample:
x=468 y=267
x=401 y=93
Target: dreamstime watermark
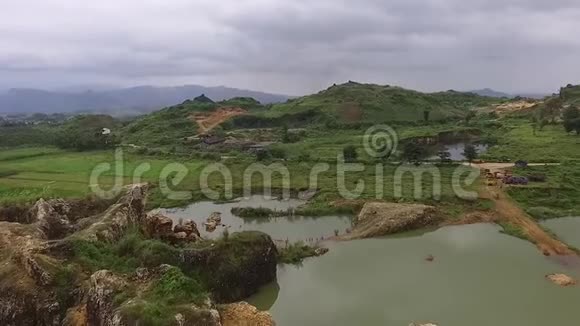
x=353 y=179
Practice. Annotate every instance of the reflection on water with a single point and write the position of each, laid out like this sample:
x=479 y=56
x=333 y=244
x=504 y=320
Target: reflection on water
x=479 y=277
x=456 y=150
x=293 y=228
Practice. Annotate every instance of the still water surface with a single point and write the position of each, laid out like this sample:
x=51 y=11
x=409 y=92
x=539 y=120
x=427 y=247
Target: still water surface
x=480 y=277
x=296 y=228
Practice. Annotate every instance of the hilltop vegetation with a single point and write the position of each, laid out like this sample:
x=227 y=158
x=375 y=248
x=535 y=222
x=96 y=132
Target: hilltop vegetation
x=167 y=126
x=570 y=94
x=354 y=102
x=350 y=104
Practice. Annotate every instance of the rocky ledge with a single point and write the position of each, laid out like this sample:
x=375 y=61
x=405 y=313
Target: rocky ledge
x=115 y=265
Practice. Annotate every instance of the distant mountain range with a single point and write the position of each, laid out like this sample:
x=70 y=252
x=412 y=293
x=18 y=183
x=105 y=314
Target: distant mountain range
x=493 y=93
x=124 y=101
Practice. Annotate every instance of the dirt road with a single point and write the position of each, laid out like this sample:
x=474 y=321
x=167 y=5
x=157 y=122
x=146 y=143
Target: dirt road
x=508 y=211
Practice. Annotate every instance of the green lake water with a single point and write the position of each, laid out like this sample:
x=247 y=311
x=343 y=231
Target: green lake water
x=479 y=277
x=567 y=229
x=297 y=228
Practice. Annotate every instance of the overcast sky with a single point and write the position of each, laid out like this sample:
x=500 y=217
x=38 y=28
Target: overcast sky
x=291 y=46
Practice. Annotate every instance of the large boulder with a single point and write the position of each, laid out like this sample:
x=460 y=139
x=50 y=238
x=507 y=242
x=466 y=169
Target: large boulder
x=189 y=227
x=158 y=226
x=379 y=219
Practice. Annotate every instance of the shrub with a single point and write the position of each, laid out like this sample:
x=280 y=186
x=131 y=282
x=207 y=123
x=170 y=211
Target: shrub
x=295 y=253
x=350 y=153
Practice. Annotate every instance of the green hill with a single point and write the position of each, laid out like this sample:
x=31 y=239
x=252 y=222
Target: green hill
x=166 y=126
x=375 y=103
x=570 y=94
x=346 y=103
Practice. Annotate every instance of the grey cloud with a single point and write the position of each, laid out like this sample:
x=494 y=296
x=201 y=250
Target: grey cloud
x=293 y=46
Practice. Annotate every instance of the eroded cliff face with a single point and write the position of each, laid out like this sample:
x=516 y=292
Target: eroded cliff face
x=239 y=266
x=44 y=282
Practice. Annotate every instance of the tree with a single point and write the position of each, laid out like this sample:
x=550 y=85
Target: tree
x=470 y=153
x=263 y=155
x=444 y=156
x=413 y=152
x=572 y=120
x=553 y=108
x=470 y=115
x=277 y=152
x=350 y=154
x=534 y=123
x=285 y=137
x=426 y=114
x=543 y=123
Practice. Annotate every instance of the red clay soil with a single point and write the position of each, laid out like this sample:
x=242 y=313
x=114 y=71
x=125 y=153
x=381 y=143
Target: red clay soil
x=210 y=120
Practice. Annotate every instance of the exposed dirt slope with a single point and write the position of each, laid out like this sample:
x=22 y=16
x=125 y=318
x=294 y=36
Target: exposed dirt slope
x=514 y=107
x=210 y=120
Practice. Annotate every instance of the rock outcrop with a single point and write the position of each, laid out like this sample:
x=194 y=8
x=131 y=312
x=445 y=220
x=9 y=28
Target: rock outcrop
x=158 y=226
x=244 y=314
x=102 y=309
x=25 y=275
x=100 y=306
x=239 y=266
x=43 y=283
x=561 y=279
x=127 y=212
x=378 y=219
x=213 y=221
x=51 y=217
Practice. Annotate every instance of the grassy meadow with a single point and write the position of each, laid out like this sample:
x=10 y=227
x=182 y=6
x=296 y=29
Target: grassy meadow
x=67 y=174
x=559 y=196
x=516 y=140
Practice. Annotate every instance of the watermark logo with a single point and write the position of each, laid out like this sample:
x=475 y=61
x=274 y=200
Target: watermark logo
x=380 y=141
x=352 y=179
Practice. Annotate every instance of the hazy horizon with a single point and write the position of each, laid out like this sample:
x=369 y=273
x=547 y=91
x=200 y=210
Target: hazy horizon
x=79 y=88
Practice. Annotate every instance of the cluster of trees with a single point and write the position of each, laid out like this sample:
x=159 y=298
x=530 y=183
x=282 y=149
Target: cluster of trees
x=85 y=140
x=415 y=153
x=85 y=133
x=572 y=120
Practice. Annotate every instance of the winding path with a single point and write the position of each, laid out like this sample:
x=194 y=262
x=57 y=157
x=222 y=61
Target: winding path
x=508 y=211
